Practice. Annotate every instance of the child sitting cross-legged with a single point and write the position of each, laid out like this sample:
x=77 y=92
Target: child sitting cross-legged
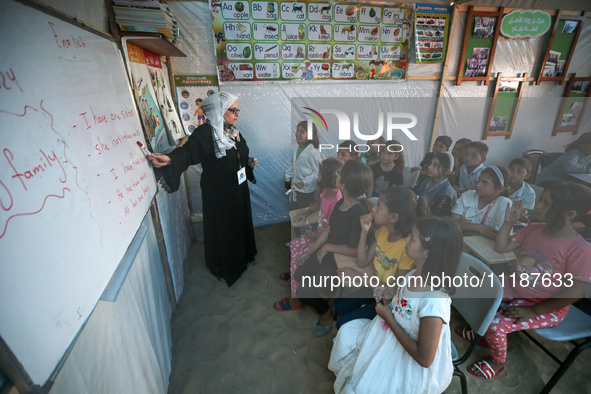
x=552 y=270
x=482 y=211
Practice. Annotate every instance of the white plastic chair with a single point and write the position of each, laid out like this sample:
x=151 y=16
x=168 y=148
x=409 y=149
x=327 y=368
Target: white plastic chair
x=477 y=305
x=409 y=178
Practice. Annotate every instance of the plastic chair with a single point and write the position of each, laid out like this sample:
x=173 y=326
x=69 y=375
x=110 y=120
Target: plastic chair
x=409 y=178
x=539 y=159
x=477 y=305
x=575 y=328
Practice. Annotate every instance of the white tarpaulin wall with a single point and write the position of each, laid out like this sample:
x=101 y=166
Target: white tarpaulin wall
x=265 y=116
x=127 y=343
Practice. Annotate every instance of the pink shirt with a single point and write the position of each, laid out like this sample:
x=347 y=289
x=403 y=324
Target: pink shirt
x=326 y=208
x=552 y=259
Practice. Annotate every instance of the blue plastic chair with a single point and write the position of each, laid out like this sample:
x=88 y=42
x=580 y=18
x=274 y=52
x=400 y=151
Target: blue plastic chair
x=575 y=328
x=477 y=305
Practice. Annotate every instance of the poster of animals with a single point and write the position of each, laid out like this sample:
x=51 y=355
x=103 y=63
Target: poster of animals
x=310 y=41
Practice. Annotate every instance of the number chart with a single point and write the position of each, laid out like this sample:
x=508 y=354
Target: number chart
x=310 y=41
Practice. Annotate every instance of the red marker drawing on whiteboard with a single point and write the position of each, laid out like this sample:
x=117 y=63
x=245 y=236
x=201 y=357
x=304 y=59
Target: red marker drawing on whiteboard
x=144 y=150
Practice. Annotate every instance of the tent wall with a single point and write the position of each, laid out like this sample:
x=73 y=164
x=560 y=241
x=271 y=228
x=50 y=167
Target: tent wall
x=265 y=116
x=125 y=345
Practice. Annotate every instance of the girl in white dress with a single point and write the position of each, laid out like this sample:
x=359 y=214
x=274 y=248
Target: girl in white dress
x=406 y=348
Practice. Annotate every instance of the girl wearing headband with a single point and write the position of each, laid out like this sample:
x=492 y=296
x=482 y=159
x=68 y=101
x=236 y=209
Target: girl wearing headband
x=482 y=211
x=222 y=152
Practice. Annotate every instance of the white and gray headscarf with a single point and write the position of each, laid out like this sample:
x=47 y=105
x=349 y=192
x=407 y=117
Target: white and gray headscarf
x=214 y=107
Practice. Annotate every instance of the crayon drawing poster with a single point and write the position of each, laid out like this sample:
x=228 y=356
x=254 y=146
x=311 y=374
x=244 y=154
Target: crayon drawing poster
x=310 y=41
x=191 y=90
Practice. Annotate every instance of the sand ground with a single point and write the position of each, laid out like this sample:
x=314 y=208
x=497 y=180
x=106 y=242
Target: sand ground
x=231 y=340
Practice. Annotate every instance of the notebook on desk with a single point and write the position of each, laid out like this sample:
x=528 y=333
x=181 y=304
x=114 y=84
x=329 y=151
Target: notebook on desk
x=484 y=248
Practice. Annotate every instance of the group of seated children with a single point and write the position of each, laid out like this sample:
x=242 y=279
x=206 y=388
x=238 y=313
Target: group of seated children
x=397 y=338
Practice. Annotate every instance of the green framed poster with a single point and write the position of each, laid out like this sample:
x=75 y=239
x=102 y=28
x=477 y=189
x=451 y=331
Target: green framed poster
x=573 y=105
x=504 y=106
x=561 y=47
x=480 y=42
x=261 y=41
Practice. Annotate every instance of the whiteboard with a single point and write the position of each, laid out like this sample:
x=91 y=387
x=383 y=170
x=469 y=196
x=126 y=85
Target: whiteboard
x=74 y=185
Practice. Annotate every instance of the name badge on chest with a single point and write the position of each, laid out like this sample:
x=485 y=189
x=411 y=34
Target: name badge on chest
x=241 y=175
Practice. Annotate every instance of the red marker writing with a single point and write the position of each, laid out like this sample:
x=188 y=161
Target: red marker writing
x=144 y=150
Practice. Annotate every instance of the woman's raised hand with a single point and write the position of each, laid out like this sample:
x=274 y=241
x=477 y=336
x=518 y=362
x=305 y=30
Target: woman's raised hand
x=365 y=221
x=159 y=160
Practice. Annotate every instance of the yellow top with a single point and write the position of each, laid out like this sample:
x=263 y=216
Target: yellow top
x=389 y=256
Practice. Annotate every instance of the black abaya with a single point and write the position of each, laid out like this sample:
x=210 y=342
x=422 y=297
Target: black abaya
x=227 y=217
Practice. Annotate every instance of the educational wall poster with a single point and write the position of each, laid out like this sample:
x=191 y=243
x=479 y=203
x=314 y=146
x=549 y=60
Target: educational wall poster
x=310 y=41
x=159 y=78
x=159 y=118
x=190 y=92
x=574 y=106
x=431 y=24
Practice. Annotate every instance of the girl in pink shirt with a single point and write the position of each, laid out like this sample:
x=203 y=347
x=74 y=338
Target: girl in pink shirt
x=551 y=272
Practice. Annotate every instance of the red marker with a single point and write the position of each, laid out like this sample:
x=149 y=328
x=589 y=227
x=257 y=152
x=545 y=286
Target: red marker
x=144 y=150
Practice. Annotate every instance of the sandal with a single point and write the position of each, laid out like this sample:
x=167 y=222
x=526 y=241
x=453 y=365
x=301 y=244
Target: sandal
x=485 y=369
x=467 y=333
x=321 y=331
x=286 y=276
x=284 y=306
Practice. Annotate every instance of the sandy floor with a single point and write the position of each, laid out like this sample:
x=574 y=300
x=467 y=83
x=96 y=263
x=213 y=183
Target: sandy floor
x=231 y=340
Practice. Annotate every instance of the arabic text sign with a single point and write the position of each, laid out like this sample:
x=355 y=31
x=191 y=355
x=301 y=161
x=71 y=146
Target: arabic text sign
x=521 y=24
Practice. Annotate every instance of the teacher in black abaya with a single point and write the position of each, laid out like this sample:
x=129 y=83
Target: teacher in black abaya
x=223 y=154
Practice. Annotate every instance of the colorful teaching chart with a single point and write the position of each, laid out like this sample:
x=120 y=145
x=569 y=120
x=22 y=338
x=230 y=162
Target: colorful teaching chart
x=191 y=90
x=306 y=40
x=431 y=23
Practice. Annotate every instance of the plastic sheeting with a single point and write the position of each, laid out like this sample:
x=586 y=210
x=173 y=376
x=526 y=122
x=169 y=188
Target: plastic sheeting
x=265 y=110
x=174 y=218
x=265 y=116
x=125 y=345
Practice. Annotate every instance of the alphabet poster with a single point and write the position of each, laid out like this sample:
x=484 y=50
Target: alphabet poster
x=310 y=41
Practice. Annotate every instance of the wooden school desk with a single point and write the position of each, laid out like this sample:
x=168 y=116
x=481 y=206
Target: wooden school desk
x=483 y=248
